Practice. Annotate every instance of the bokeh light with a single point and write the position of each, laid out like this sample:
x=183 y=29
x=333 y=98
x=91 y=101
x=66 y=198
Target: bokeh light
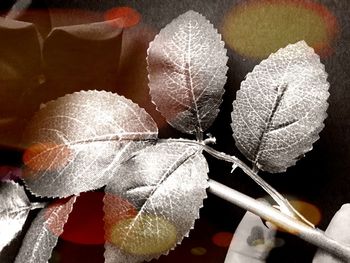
x=255 y=28
x=123 y=17
x=144 y=235
x=309 y=211
x=116 y=209
x=198 y=251
x=46 y=156
x=222 y=239
x=85 y=224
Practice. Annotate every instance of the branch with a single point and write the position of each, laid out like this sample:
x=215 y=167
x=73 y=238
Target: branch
x=288 y=223
x=283 y=203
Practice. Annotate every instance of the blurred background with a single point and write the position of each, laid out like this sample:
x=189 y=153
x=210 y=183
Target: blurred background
x=38 y=64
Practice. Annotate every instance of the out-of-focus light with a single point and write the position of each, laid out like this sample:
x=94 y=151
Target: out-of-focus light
x=123 y=17
x=309 y=211
x=116 y=209
x=222 y=239
x=144 y=235
x=85 y=224
x=46 y=156
x=198 y=251
x=257 y=28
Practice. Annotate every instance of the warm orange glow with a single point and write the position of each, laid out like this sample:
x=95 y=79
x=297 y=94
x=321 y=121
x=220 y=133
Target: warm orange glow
x=222 y=239
x=46 y=156
x=123 y=17
x=257 y=28
x=309 y=211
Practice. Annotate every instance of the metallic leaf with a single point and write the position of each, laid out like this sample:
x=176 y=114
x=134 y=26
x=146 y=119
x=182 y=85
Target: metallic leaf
x=14 y=209
x=78 y=141
x=43 y=234
x=153 y=202
x=187 y=72
x=280 y=108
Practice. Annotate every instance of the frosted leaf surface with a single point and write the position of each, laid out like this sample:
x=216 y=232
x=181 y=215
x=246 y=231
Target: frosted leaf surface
x=44 y=231
x=187 y=72
x=280 y=108
x=77 y=142
x=153 y=203
x=14 y=209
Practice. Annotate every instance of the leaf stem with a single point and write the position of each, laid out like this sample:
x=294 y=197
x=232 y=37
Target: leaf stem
x=286 y=222
x=283 y=203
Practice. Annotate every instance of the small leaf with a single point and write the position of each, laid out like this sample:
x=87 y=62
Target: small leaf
x=187 y=72
x=78 y=141
x=153 y=202
x=14 y=209
x=43 y=234
x=280 y=108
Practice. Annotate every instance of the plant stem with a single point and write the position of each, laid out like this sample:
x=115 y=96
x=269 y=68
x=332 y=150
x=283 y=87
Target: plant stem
x=288 y=223
x=283 y=203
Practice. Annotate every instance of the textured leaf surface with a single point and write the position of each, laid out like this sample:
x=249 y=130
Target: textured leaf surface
x=187 y=72
x=43 y=234
x=14 y=209
x=280 y=108
x=77 y=142
x=154 y=201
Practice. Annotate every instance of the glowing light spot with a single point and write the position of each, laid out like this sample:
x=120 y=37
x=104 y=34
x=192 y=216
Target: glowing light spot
x=123 y=17
x=85 y=224
x=46 y=156
x=222 y=239
x=116 y=209
x=198 y=251
x=309 y=211
x=144 y=235
x=258 y=28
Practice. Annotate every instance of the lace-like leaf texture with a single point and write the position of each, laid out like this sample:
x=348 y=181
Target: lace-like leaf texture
x=77 y=142
x=154 y=201
x=187 y=72
x=14 y=209
x=280 y=108
x=44 y=231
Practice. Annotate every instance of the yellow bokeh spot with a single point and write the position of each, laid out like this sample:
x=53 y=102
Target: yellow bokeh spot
x=144 y=235
x=198 y=251
x=258 y=28
x=309 y=211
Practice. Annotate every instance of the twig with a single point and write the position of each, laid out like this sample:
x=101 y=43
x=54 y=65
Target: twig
x=289 y=224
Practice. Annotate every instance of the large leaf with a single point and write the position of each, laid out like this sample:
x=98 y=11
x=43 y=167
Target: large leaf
x=20 y=69
x=154 y=201
x=14 y=209
x=43 y=234
x=187 y=72
x=77 y=142
x=71 y=53
x=280 y=108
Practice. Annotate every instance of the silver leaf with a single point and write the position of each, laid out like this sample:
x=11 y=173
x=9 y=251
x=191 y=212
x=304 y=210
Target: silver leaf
x=78 y=141
x=280 y=108
x=187 y=72
x=14 y=209
x=154 y=201
x=43 y=234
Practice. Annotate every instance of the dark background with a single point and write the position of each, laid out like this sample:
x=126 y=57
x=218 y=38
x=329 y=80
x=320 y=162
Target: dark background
x=321 y=178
